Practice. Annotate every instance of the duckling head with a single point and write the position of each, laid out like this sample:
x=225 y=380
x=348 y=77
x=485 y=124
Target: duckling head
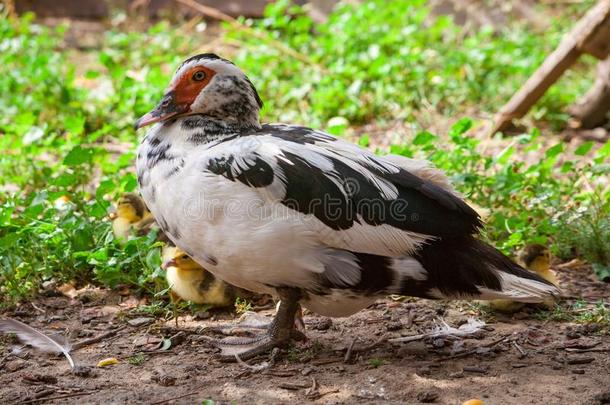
x=131 y=207
x=536 y=257
x=179 y=259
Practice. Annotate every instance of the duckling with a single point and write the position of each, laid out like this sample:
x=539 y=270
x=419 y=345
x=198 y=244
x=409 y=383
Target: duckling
x=191 y=282
x=133 y=217
x=537 y=258
x=534 y=257
x=130 y=211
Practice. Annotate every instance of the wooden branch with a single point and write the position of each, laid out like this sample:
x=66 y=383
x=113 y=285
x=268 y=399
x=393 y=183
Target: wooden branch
x=592 y=110
x=577 y=41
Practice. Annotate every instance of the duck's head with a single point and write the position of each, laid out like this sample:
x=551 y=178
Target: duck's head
x=178 y=258
x=130 y=207
x=209 y=85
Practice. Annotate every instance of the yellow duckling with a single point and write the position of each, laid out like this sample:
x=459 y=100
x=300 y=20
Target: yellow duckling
x=130 y=211
x=191 y=282
x=534 y=257
x=537 y=258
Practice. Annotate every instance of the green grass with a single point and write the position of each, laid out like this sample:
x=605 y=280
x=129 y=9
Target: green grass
x=68 y=143
x=579 y=312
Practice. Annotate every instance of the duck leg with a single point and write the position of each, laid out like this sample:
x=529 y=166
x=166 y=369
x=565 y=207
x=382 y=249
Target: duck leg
x=278 y=333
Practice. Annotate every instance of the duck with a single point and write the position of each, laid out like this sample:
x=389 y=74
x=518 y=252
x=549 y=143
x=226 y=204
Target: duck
x=132 y=217
x=189 y=281
x=536 y=258
x=312 y=219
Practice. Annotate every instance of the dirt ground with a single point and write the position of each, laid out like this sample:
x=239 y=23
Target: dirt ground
x=516 y=359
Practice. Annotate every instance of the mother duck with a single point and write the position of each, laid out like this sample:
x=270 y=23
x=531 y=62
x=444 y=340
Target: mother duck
x=297 y=213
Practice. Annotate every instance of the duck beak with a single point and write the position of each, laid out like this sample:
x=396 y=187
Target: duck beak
x=168 y=263
x=167 y=108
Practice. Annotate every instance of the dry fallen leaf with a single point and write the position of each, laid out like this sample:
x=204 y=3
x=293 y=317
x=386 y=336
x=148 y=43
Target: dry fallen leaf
x=110 y=361
x=68 y=290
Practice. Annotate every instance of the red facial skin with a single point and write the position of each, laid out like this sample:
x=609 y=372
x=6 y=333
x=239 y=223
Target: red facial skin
x=178 y=98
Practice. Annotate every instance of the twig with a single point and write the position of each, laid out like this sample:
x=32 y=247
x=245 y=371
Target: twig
x=96 y=339
x=372 y=346
x=410 y=318
x=474 y=350
x=520 y=349
x=591 y=349
x=260 y=367
x=348 y=353
x=38 y=309
x=313 y=390
x=233 y=22
x=293 y=386
x=173 y=399
x=74 y=394
x=323 y=362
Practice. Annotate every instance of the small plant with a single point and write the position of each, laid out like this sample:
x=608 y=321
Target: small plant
x=137 y=360
x=297 y=355
x=375 y=362
x=579 y=312
x=242 y=305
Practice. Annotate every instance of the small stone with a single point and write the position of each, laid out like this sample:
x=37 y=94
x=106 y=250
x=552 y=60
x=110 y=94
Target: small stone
x=201 y=315
x=602 y=398
x=475 y=369
x=40 y=379
x=438 y=343
x=307 y=370
x=572 y=334
x=14 y=365
x=427 y=397
x=140 y=321
x=580 y=360
x=394 y=326
x=164 y=380
x=321 y=324
x=83 y=371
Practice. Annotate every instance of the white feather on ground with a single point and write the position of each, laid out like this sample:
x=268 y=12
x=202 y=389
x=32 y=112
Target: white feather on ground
x=35 y=338
x=442 y=329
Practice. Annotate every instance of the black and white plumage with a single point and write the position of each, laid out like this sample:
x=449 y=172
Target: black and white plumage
x=273 y=206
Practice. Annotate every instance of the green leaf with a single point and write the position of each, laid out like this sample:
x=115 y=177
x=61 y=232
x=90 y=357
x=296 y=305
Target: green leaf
x=602 y=271
x=74 y=124
x=460 y=127
x=364 y=141
x=337 y=125
x=553 y=151
x=584 y=148
x=78 y=155
x=424 y=138
x=153 y=259
x=505 y=155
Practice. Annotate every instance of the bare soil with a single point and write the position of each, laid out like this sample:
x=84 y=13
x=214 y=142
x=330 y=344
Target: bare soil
x=517 y=359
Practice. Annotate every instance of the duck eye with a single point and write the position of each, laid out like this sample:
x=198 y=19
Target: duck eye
x=198 y=76
x=184 y=257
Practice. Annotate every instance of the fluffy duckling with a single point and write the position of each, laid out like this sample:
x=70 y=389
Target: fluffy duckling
x=133 y=217
x=537 y=258
x=130 y=211
x=191 y=282
x=534 y=257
